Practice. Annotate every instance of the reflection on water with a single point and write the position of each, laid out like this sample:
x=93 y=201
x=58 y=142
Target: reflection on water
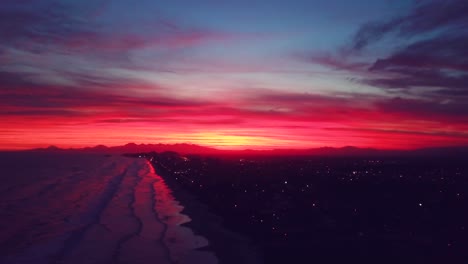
x=80 y=208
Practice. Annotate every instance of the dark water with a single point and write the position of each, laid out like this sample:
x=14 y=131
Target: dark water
x=82 y=208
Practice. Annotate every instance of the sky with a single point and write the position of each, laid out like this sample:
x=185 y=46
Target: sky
x=389 y=74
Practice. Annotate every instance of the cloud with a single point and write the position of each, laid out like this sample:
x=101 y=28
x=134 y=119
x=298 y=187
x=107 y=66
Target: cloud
x=395 y=132
x=21 y=97
x=127 y=41
x=437 y=57
x=437 y=62
x=48 y=23
x=63 y=44
x=57 y=24
x=341 y=62
x=447 y=51
x=425 y=68
x=436 y=109
x=426 y=17
x=63 y=37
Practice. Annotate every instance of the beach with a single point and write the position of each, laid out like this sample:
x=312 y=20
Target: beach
x=230 y=247
x=92 y=208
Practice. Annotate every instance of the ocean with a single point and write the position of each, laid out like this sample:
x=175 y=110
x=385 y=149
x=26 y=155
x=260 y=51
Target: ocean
x=91 y=208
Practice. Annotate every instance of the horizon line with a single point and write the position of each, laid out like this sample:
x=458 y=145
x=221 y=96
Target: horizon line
x=229 y=149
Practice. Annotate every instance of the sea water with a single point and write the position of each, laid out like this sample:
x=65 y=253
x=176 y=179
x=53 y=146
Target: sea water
x=64 y=207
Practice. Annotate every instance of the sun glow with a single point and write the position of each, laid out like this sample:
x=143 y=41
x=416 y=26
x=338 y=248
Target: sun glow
x=222 y=140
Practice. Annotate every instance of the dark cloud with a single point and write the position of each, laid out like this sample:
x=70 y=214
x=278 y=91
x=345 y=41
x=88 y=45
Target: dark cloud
x=42 y=113
x=333 y=62
x=29 y=82
x=426 y=17
x=23 y=23
x=437 y=59
x=20 y=96
x=49 y=97
x=11 y=80
x=295 y=99
x=435 y=109
x=58 y=25
x=437 y=62
x=447 y=51
x=427 y=60
x=392 y=132
x=408 y=77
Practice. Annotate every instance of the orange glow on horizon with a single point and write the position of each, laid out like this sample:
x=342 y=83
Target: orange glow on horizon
x=38 y=136
x=221 y=140
x=258 y=133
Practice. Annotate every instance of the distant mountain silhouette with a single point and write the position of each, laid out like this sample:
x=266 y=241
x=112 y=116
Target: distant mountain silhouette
x=139 y=148
x=53 y=148
x=180 y=148
x=184 y=148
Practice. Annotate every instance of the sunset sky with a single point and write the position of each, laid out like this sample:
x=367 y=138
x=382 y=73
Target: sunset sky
x=234 y=74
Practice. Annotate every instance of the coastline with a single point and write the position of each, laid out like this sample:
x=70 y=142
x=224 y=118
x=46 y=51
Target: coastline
x=229 y=247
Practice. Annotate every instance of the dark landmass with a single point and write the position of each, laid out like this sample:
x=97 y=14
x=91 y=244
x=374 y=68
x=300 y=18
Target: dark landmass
x=324 y=151
x=136 y=148
x=318 y=209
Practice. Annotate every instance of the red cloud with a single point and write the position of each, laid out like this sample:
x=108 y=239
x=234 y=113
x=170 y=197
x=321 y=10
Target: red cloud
x=76 y=117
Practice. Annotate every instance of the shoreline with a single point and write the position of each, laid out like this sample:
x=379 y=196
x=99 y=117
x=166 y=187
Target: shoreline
x=229 y=247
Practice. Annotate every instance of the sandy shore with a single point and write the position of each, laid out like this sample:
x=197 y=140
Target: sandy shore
x=229 y=247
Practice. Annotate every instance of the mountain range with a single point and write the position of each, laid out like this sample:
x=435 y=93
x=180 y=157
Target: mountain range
x=184 y=148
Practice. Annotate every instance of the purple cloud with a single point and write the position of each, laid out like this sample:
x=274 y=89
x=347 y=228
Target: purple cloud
x=427 y=68
x=427 y=16
x=341 y=62
x=437 y=62
x=434 y=108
